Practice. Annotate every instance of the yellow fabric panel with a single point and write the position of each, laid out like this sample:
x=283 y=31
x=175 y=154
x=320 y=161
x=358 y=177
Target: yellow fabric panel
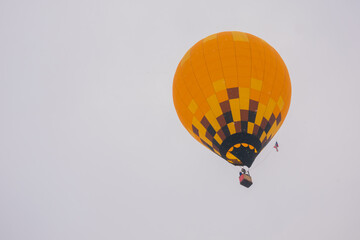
x=280 y=103
x=218 y=139
x=269 y=109
x=202 y=131
x=212 y=120
x=256 y=84
x=263 y=135
x=272 y=130
x=250 y=128
x=193 y=106
x=260 y=113
x=235 y=109
x=214 y=104
x=244 y=95
x=219 y=85
x=239 y=36
x=231 y=127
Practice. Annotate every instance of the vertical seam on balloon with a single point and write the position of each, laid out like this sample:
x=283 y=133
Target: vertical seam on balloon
x=251 y=76
x=282 y=88
x=287 y=71
x=262 y=85
x=192 y=69
x=197 y=137
x=289 y=95
x=273 y=81
x=284 y=81
x=189 y=92
x=218 y=50
x=202 y=45
x=237 y=75
x=222 y=68
x=181 y=99
x=251 y=73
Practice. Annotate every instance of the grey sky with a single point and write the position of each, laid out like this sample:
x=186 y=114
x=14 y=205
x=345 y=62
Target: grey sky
x=91 y=146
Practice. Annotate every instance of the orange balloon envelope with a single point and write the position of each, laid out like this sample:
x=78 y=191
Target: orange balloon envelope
x=232 y=92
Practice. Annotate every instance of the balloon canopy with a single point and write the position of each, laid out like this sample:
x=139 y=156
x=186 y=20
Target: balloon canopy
x=232 y=92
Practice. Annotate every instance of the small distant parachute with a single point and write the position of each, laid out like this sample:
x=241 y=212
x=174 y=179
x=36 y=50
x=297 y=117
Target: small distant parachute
x=232 y=93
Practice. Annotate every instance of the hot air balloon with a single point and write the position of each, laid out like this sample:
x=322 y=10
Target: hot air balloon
x=232 y=92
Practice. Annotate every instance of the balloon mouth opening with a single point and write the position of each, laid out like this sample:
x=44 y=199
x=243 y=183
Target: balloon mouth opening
x=240 y=149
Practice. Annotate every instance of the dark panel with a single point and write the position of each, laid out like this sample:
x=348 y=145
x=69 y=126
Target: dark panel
x=253 y=106
x=195 y=130
x=238 y=127
x=267 y=128
x=221 y=120
x=233 y=93
x=225 y=106
x=244 y=115
x=228 y=117
x=205 y=122
x=211 y=130
x=244 y=126
x=278 y=119
x=207 y=145
x=221 y=134
x=226 y=131
x=208 y=136
x=260 y=132
x=264 y=122
x=252 y=116
x=256 y=129
x=272 y=119
x=216 y=145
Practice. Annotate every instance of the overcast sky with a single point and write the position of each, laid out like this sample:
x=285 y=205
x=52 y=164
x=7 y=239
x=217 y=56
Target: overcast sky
x=91 y=146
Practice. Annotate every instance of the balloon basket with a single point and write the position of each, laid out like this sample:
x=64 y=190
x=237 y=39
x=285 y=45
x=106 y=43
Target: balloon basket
x=245 y=180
